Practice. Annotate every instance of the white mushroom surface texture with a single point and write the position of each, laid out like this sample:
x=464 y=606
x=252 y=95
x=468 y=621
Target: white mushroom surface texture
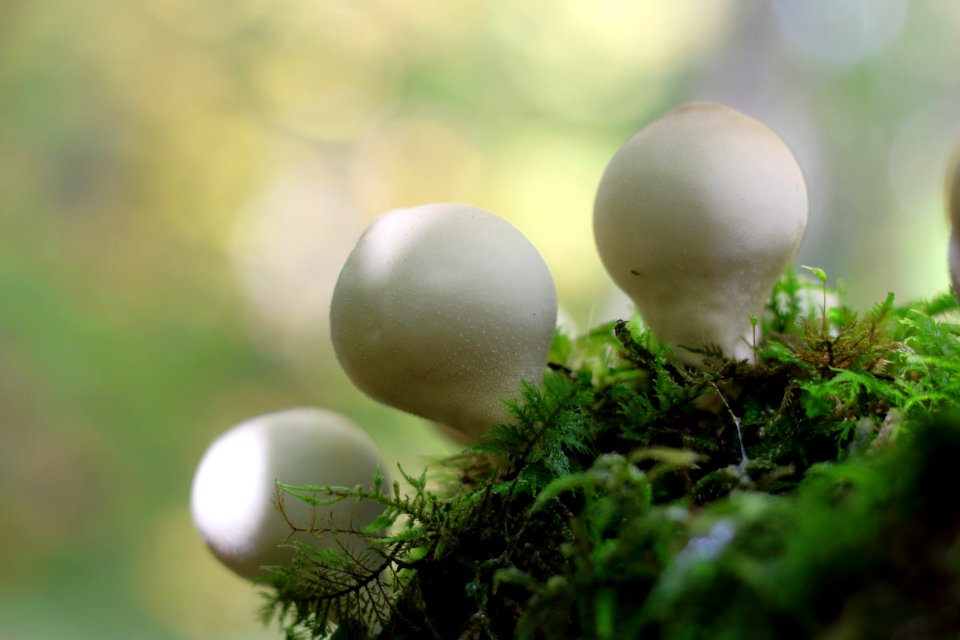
x=442 y=310
x=235 y=485
x=696 y=217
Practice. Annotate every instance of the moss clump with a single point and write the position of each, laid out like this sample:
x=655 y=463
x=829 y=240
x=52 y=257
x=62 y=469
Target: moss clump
x=807 y=495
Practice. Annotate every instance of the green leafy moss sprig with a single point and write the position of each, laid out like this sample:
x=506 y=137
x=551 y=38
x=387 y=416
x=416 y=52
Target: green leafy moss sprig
x=634 y=497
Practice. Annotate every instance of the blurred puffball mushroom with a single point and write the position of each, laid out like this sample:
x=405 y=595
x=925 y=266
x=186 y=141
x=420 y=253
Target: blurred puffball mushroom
x=442 y=310
x=953 y=205
x=234 y=487
x=696 y=217
x=953 y=259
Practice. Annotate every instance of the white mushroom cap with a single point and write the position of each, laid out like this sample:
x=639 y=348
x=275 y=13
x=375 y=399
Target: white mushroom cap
x=441 y=310
x=696 y=217
x=235 y=483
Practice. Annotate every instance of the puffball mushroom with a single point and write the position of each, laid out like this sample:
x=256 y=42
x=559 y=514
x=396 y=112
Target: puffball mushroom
x=953 y=205
x=696 y=217
x=235 y=484
x=441 y=310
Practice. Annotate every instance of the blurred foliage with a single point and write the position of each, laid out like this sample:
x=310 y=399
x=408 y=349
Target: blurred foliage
x=631 y=497
x=180 y=181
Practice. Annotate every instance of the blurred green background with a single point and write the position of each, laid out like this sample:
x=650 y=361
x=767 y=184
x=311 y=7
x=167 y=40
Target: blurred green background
x=180 y=182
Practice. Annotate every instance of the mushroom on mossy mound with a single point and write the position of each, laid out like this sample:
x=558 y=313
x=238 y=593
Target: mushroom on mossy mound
x=443 y=310
x=696 y=217
x=236 y=484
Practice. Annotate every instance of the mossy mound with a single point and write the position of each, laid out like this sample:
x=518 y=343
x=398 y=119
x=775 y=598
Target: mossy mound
x=807 y=495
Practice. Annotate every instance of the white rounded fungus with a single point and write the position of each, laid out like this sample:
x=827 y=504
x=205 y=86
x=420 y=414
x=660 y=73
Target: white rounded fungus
x=696 y=217
x=235 y=485
x=442 y=310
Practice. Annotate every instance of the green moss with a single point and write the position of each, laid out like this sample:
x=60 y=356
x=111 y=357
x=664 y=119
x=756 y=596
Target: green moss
x=631 y=497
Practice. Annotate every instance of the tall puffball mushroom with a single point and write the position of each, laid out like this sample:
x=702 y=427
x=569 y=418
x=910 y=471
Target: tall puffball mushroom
x=441 y=310
x=696 y=217
x=235 y=484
